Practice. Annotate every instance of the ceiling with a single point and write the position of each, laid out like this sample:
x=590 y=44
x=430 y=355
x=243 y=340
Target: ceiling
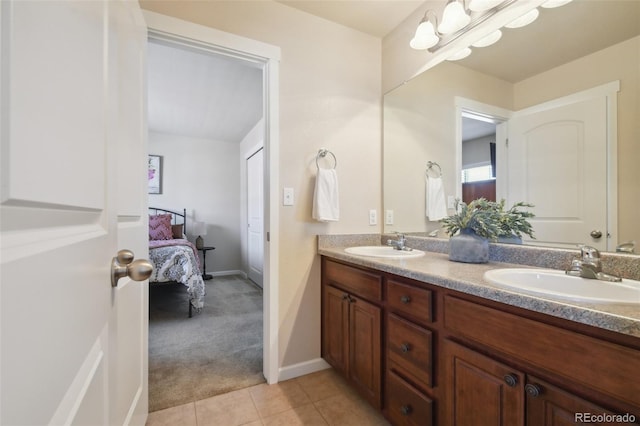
x=374 y=17
x=202 y=95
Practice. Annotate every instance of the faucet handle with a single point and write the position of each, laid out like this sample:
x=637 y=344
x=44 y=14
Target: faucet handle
x=588 y=252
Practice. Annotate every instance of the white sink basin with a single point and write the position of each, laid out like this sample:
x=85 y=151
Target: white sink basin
x=551 y=282
x=383 y=251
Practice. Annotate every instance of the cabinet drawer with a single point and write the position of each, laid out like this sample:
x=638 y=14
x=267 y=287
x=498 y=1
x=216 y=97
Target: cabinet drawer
x=364 y=284
x=409 y=350
x=593 y=363
x=406 y=405
x=410 y=300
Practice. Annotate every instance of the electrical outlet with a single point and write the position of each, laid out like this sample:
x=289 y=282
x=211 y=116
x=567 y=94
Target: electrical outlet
x=373 y=217
x=451 y=202
x=388 y=218
x=287 y=196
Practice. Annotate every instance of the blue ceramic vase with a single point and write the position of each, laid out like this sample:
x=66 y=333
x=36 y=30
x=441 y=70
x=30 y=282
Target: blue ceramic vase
x=468 y=247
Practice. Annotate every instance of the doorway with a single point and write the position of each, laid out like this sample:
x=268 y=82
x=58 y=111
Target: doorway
x=196 y=37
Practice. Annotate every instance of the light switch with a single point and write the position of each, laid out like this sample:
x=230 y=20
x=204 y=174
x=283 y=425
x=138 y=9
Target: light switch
x=388 y=218
x=373 y=217
x=287 y=197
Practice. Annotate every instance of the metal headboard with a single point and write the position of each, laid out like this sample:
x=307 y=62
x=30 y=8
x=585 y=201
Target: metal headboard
x=176 y=217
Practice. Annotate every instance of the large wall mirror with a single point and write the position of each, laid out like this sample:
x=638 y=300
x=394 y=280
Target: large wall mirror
x=576 y=64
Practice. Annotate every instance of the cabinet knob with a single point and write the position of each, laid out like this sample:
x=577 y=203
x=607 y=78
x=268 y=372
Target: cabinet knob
x=405 y=347
x=406 y=410
x=345 y=296
x=533 y=390
x=405 y=299
x=511 y=380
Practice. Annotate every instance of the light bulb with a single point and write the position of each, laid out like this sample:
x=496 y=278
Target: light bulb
x=460 y=55
x=554 y=3
x=425 y=36
x=482 y=5
x=525 y=19
x=454 y=18
x=488 y=40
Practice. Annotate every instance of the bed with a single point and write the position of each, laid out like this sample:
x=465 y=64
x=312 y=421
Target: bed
x=174 y=258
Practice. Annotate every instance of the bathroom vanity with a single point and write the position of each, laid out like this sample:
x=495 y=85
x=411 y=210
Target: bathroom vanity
x=429 y=342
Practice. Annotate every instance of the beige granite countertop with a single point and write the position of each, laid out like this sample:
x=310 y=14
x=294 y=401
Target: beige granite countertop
x=436 y=268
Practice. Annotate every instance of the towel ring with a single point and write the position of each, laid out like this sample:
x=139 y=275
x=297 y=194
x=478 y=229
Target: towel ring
x=323 y=153
x=431 y=165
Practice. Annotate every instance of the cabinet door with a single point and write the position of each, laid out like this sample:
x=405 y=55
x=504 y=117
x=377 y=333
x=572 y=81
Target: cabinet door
x=548 y=405
x=365 y=349
x=335 y=328
x=480 y=390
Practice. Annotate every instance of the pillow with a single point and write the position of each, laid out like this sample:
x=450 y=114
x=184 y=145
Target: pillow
x=160 y=227
x=177 y=231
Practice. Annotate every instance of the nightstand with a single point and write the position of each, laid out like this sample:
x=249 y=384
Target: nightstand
x=204 y=251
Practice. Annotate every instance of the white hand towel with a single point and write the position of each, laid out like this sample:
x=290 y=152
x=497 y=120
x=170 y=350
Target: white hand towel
x=325 y=198
x=436 y=207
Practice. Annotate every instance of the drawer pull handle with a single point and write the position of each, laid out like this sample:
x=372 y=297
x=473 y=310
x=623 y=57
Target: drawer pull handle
x=405 y=299
x=511 y=380
x=405 y=347
x=533 y=390
x=406 y=410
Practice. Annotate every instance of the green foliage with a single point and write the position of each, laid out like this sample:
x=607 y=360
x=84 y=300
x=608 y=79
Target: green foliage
x=489 y=219
x=514 y=221
x=479 y=216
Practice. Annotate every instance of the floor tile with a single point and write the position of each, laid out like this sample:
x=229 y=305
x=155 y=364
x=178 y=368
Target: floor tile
x=324 y=384
x=182 y=415
x=341 y=410
x=274 y=399
x=229 y=409
x=307 y=415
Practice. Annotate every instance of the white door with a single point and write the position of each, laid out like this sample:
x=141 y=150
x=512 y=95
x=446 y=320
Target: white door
x=255 y=213
x=560 y=154
x=73 y=151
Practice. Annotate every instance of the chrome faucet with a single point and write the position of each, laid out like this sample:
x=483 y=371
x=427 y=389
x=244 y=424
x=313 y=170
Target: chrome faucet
x=590 y=266
x=628 y=247
x=399 y=244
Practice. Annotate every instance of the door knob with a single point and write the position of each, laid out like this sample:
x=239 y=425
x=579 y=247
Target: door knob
x=123 y=265
x=596 y=234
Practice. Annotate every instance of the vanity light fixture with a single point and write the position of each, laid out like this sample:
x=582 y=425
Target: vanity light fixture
x=461 y=54
x=454 y=18
x=525 y=19
x=459 y=17
x=554 y=3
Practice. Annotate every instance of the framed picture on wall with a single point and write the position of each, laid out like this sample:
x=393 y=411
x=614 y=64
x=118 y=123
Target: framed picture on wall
x=155 y=174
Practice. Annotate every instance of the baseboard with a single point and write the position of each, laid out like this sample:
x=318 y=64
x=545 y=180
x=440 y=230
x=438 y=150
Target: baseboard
x=232 y=272
x=297 y=370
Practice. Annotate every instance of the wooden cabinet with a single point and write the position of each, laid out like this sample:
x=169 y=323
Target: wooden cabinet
x=426 y=355
x=481 y=391
x=352 y=328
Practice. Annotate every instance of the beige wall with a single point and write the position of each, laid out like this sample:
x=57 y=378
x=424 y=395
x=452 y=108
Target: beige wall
x=622 y=63
x=330 y=96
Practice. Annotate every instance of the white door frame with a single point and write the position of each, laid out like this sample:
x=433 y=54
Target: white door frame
x=167 y=28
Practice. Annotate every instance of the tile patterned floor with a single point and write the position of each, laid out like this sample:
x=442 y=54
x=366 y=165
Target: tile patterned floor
x=321 y=398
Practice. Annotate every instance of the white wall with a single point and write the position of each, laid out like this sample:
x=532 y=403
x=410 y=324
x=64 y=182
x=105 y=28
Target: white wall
x=203 y=176
x=330 y=96
x=477 y=152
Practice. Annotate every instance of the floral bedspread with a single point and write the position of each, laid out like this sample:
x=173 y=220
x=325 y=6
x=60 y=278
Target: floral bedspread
x=177 y=260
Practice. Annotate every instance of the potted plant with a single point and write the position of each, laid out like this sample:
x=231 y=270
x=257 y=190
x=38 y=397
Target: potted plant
x=514 y=222
x=470 y=229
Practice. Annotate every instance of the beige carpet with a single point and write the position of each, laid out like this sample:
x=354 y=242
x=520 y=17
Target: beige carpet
x=217 y=351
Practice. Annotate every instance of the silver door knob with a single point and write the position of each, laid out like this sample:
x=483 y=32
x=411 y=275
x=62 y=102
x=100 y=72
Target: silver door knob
x=596 y=234
x=123 y=265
